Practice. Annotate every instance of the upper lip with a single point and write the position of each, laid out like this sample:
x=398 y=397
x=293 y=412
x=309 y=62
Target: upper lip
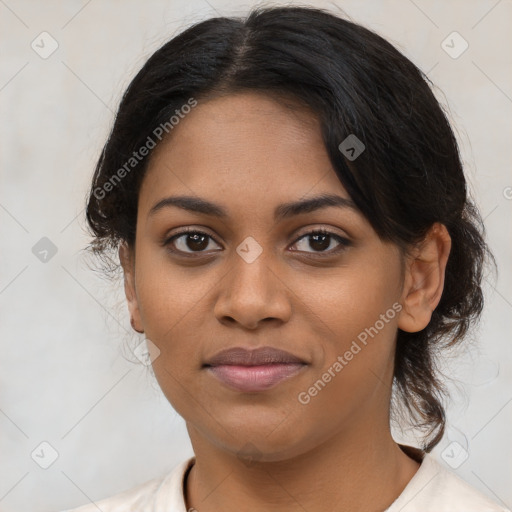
x=259 y=356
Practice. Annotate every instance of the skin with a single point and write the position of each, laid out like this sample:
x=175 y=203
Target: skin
x=266 y=450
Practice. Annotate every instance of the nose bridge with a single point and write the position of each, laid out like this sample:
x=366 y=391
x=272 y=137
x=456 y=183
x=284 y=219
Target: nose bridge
x=252 y=290
x=252 y=270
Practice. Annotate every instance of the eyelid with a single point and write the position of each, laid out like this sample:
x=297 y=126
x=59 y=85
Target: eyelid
x=184 y=231
x=324 y=230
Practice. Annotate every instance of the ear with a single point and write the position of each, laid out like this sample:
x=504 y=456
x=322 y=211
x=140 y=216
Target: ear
x=424 y=279
x=127 y=259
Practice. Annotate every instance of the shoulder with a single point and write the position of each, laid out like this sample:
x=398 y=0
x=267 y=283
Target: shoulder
x=166 y=490
x=434 y=488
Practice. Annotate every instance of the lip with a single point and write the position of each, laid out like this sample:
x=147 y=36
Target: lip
x=255 y=378
x=259 y=356
x=254 y=370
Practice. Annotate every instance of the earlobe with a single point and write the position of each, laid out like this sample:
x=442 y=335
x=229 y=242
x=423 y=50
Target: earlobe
x=127 y=262
x=424 y=279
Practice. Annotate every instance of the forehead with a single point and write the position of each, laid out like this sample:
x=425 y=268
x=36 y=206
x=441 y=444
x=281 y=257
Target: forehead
x=246 y=149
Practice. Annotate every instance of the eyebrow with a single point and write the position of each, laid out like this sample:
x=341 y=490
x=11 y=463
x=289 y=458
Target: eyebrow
x=281 y=212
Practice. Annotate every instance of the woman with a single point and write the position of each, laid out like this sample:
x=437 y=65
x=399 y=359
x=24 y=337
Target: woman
x=297 y=243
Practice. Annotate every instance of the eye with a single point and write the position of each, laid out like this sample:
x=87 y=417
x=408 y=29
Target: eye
x=320 y=241
x=195 y=241
x=192 y=241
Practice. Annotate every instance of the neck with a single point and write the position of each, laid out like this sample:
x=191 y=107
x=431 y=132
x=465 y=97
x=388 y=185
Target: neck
x=352 y=471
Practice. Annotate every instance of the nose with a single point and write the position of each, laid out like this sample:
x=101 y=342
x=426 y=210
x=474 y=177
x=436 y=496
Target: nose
x=252 y=293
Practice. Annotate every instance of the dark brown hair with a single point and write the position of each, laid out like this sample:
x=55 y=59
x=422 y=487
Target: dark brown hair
x=408 y=177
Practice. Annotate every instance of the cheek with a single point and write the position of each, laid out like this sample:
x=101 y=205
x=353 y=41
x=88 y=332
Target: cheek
x=173 y=311
x=169 y=296
x=356 y=312
x=352 y=298
x=355 y=368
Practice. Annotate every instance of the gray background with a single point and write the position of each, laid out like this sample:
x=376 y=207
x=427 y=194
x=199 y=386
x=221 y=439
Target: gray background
x=67 y=374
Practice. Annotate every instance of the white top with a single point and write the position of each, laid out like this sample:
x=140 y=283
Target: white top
x=433 y=488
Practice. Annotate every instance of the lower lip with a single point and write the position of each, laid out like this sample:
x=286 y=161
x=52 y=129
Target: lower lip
x=254 y=378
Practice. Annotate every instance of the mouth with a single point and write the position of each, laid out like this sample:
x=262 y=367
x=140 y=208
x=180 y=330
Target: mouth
x=254 y=370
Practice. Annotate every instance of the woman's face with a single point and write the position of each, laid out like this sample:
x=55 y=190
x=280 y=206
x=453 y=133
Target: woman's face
x=256 y=281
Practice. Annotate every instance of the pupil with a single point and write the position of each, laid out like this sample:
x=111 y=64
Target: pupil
x=198 y=242
x=323 y=245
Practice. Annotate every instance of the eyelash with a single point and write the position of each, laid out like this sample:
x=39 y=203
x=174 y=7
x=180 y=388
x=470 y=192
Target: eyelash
x=344 y=242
